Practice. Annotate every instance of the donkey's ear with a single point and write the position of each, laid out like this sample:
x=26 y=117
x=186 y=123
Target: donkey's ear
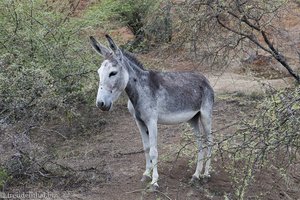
x=114 y=47
x=102 y=50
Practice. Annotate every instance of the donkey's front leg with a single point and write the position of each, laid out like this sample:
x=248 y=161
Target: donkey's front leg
x=152 y=128
x=145 y=139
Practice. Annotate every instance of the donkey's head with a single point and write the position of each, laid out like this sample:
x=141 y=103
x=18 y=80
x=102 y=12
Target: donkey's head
x=112 y=73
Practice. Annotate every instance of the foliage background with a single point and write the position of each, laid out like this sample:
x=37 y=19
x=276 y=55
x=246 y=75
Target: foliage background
x=48 y=73
x=45 y=60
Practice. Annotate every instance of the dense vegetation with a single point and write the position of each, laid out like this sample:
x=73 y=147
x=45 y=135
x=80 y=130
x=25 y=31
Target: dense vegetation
x=44 y=61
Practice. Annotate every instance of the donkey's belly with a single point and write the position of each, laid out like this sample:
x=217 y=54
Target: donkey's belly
x=175 y=118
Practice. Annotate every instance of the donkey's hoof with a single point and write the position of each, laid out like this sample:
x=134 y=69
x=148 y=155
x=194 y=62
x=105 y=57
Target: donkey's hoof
x=194 y=180
x=205 y=178
x=154 y=187
x=146 y=178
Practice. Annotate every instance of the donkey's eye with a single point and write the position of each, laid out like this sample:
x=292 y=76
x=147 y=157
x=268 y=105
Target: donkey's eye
x=112 y=74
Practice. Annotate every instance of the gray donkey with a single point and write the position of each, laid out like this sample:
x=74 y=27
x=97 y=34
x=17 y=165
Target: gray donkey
x=156 y=98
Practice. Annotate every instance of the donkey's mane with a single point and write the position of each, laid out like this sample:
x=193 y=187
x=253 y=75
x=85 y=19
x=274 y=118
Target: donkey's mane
x=133 y=59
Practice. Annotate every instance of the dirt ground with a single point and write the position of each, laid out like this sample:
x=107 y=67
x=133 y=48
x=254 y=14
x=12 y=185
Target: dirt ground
x=103 y=159
x=100 y=156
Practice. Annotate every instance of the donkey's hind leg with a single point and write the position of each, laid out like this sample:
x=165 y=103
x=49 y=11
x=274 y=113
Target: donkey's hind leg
x=206 y=121
x=195 y=124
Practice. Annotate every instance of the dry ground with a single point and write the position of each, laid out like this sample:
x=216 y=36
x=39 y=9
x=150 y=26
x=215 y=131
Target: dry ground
x=100 y=154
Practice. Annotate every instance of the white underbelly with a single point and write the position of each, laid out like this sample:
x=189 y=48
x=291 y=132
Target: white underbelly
x=175 y=118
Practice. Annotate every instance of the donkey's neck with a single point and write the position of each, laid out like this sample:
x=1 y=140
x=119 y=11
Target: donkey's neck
x=138 y=78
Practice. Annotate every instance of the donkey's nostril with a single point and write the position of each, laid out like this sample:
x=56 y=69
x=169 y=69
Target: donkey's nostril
x=100 y=104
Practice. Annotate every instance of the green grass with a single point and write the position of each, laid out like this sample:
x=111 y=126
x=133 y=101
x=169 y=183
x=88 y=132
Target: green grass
x=4 y=177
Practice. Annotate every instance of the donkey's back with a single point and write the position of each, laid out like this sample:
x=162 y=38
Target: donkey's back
x=180 y=95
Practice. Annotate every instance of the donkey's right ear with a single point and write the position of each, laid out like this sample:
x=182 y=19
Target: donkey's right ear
x=102 y=50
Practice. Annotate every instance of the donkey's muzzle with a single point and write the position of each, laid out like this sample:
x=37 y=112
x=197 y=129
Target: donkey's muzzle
x=103 y=106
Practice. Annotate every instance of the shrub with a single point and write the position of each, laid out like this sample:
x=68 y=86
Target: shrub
x=129 y=13
x=43 y=63
x=3 y=177
x=149 y=21
x=270 y=140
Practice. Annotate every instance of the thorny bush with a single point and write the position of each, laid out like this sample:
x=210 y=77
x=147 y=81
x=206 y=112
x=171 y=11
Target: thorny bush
x=43 y=62
x=270 y=140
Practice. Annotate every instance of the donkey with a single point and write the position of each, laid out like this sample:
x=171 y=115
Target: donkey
x=156 y=98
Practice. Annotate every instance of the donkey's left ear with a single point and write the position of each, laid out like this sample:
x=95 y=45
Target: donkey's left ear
x=117 y=51
x=102 y=50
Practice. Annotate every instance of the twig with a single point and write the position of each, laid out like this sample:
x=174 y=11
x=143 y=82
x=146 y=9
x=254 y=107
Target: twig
x=131 y=153
x=143 y=190
x=50 y=130
x=286 y=195
x=78 y=74
x=163 y=194
x=135 y=191
x=226 y=127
